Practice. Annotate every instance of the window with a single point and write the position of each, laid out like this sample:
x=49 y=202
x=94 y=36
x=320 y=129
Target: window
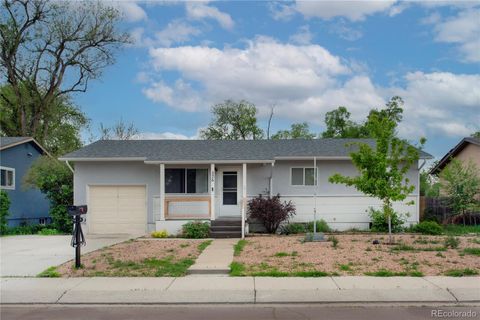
x=186 y=180
x=303 y=177
x=230 y=188
x=7 y=177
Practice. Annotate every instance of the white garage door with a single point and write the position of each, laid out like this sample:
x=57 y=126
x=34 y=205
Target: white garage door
x=117 y=209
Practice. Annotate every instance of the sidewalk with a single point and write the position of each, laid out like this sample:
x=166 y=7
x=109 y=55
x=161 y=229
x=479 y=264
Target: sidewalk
x=215 y=259
x=224 y=289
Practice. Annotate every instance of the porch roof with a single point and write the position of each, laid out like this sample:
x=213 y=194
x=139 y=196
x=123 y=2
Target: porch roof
x=216 y=150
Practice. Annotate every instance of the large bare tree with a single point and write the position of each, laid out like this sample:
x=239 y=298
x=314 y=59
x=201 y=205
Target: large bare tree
x=51 y=49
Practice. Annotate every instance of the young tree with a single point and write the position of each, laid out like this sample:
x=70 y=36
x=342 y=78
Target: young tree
x=297 y=131
x=233 y=121
x=383 y=168
x=55 y=180
x=50 y=49
x=428 y=186
x=461 y=183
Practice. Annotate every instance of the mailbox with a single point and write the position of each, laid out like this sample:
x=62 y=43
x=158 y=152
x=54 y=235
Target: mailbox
x=77 y=210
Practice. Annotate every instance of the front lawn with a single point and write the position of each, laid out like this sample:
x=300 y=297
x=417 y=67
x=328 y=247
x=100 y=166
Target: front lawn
x=412 y=255
x=137 y=258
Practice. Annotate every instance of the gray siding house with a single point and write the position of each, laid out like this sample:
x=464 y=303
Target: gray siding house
x=138 y=186
x=26 y=206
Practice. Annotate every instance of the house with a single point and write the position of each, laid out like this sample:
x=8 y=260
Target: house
x=26 y=206
x=137 y=186
x=467 y=150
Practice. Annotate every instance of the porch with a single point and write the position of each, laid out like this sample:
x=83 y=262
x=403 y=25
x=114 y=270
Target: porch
x=215 y=192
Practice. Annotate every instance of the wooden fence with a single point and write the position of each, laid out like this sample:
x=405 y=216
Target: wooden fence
x=437 y=209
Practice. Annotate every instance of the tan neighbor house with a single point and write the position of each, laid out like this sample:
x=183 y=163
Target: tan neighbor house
x=465 y=151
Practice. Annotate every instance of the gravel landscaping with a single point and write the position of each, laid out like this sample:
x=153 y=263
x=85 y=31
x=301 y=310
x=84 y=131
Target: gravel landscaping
x=138 y=258
x=411 y=255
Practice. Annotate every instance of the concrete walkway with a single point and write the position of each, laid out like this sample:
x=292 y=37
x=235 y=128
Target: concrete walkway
x=215 y=259
x=223 y=289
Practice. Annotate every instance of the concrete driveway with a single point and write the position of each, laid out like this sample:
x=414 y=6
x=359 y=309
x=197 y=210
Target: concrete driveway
x=24 y=256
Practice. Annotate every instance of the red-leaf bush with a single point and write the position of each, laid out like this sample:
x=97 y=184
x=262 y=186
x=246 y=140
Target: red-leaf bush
x=270 y=211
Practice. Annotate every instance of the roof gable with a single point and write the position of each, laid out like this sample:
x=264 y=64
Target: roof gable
x=10 y=142
x=453 y=153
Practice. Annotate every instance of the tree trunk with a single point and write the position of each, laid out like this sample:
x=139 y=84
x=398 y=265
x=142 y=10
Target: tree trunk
x=390 y=238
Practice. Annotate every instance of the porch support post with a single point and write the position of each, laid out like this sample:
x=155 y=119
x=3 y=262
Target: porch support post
x=212 y=191
x=244 y=198
x=271 y=180
x=162 y=191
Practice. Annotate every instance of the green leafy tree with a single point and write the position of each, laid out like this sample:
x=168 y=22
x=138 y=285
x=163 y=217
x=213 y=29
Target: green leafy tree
x=55 y=180
x=339 y=125
x=64 y=119
x=297 y=131
x=4 y=207
x=383 y=168
x=428 y=186
x=233 y=121
x=49 y=50
x=461 y=184
x=476 y=135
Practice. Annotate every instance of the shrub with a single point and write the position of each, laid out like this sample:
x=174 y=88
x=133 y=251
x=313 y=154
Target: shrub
x=196 y=230
x=55 y=180
x=292 y=228
x=159 y=234
x=322 y=226
x=334 y=241
x=461 y=272
x=472 y=251
x=428 y=227
x=452 y=242
x=4 y=206
x=270 y=211
x=380 y=221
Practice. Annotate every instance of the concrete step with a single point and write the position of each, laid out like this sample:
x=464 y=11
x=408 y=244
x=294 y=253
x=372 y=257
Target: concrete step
x=225 y=234
x=226 y=228
x=215 y=223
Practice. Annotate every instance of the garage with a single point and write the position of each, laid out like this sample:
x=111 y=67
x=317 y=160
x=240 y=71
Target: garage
x=117 y=209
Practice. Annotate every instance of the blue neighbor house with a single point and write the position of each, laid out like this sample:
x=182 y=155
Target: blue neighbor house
x=26 y=206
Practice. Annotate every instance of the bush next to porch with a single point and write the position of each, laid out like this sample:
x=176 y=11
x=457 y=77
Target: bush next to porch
x=196 y=230
x=270 y=211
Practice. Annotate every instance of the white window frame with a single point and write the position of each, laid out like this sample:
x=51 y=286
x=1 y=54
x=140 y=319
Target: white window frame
x=186 y=193
x=12 y=187
x=315 y=182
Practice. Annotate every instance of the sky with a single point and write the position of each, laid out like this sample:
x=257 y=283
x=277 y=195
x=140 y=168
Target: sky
x=302 y=58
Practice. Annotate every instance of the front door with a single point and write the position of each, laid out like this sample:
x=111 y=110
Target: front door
x=228 y=197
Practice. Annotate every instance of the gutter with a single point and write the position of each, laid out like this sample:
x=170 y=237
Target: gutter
x=69 y=166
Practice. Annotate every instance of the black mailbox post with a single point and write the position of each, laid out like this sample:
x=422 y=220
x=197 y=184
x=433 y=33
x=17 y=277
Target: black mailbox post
x=78 y=239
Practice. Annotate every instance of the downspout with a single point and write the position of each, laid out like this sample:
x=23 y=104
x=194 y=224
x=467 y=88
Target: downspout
x=69 y=166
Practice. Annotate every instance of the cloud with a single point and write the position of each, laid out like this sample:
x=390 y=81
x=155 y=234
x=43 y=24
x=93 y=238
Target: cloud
x=201 y=10
x=439 y=102
x=462 y=30
x=351 y=10
x=306 y=81
x=303 y=36
x=175 y=32
x=345 y=32
x=131 y=10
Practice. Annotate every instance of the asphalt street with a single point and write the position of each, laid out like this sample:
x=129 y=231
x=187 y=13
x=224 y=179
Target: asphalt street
x=236 y=312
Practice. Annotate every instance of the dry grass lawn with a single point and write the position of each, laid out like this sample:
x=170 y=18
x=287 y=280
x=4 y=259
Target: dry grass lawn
x=138 y=258
x=412 y=255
